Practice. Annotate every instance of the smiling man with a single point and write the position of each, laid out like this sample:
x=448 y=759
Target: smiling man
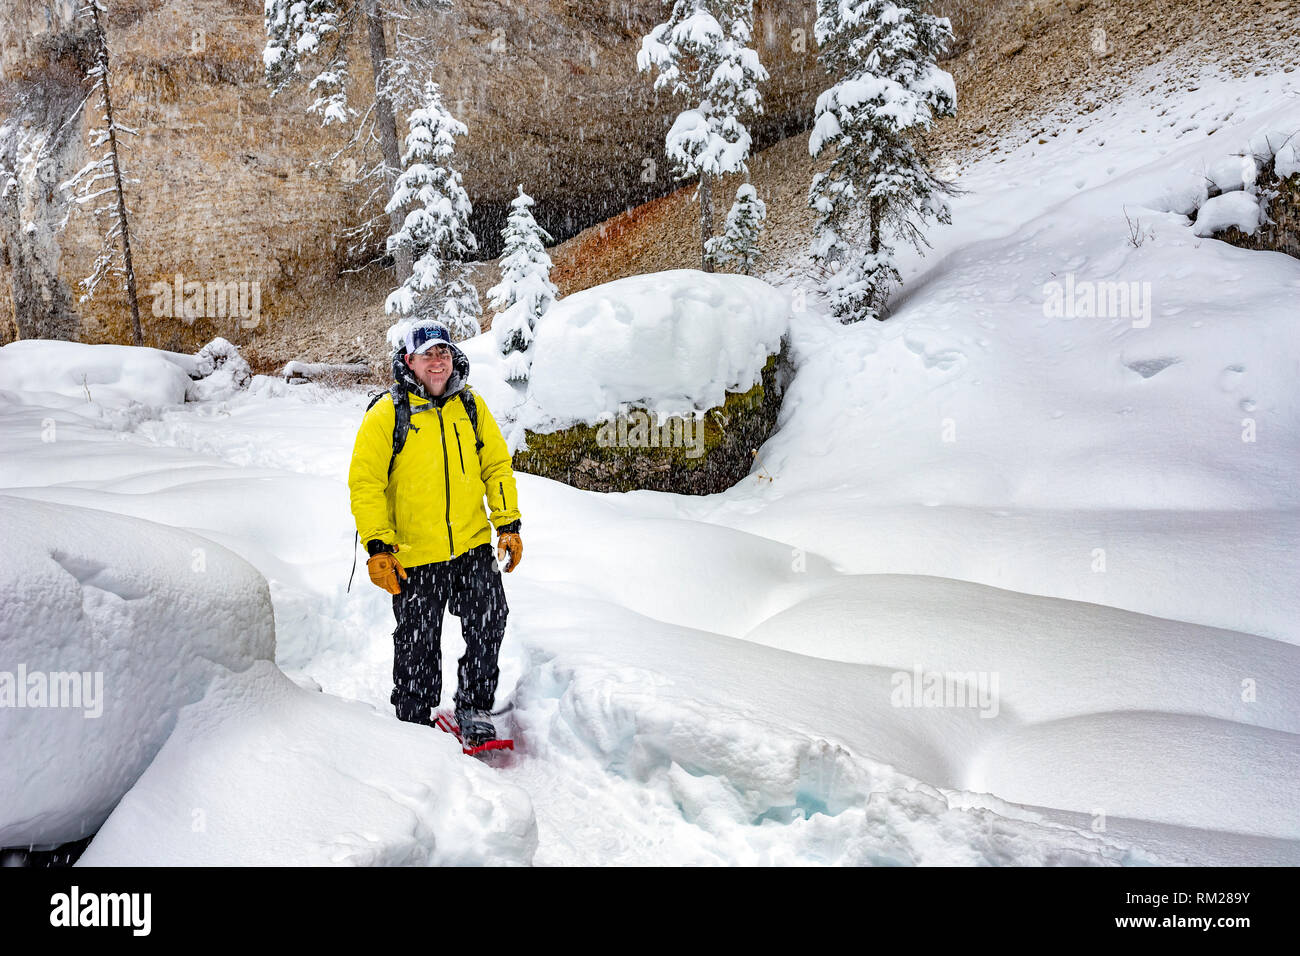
x=427 y=454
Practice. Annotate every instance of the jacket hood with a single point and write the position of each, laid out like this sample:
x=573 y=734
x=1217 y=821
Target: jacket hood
x=407 y=380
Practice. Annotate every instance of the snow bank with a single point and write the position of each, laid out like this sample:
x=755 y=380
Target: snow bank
x=672 y=342
x=263 y=773
x=1240 y=209
x=145 y=615
x=113 y=376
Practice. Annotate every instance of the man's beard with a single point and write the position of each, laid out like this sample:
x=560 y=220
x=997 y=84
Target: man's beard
x=429 y=384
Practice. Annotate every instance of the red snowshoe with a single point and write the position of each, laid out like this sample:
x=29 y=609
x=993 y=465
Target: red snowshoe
x=472 y=743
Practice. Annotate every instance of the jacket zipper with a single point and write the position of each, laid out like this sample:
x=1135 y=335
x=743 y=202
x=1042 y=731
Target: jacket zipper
x=446 y=477
x=505 y=504
x=456 y=429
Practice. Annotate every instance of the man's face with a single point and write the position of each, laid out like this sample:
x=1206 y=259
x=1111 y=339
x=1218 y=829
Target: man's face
x=432 y=368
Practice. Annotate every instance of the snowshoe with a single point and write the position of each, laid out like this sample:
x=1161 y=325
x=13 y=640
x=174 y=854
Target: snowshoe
x=474 y=730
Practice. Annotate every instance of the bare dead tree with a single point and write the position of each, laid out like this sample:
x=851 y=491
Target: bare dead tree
x=103 y=177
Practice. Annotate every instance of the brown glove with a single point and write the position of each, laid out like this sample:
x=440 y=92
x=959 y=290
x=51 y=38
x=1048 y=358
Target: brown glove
x=384 y=569
x=512 y=543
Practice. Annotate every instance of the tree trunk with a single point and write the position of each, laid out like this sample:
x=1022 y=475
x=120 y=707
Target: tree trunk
x=137 y=333
x=706 y=219
x=877 y=209
x=387 y=126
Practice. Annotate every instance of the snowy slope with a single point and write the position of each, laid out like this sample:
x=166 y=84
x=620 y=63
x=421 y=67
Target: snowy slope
x=1058 y=513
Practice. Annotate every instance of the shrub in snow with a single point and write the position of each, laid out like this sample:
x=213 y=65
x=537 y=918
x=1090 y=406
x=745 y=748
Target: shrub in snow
x=219 y=371
x=887 y=92
x=436 y=231
x=110 y=625
x=739 y=242
x=525 y=291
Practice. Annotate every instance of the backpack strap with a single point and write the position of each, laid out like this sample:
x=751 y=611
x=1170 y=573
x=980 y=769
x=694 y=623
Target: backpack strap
x=471 y=409
x=401 y=422
x=401 y=419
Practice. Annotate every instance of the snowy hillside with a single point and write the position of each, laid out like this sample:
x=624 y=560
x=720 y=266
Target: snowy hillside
x=1080 y=530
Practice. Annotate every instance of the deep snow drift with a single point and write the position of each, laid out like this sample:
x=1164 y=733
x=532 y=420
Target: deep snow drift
x=1013 y=583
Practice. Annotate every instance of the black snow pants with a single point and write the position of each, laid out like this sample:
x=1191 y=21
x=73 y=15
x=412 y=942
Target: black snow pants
x=470 y=585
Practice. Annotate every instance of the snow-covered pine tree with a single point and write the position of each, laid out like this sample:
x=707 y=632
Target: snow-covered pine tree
x=739 y=240
x=887 y=91
x=295 y=32
x=317 y=39
x=525 y=291
x=702 y=53
x=435 y=233
x=103 y=177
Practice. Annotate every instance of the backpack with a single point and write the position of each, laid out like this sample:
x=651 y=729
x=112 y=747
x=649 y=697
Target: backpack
x=401 y=426
x=402 y=418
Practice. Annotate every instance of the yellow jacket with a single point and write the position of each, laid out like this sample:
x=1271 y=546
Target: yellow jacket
x=432 y=506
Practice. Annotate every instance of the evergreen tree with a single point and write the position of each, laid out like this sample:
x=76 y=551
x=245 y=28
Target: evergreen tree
x=435 y=233
x=702 y=53
x=739 y=240
x=525 y=291
x=317 y=39
x=887 y=91
x=103 y=177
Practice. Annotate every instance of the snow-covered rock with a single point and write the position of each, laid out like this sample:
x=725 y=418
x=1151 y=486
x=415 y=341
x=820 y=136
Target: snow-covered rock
x=144 y=616
x=1232 y=173
x=673 y=343
x=1240 y=209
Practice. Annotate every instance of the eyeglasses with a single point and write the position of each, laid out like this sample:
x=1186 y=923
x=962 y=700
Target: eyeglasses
x=421 y=335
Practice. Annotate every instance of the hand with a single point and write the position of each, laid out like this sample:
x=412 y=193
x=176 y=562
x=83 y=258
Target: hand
x=384 y=569
x=514 y=545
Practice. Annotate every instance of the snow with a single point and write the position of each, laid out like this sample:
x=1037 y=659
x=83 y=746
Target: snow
x=1086 y=523
x=1287 y=161
x=1240 y=209
x=263 y=772
x=146 y=615
x=671 y=342
x=112 y=375
x=1231 y=173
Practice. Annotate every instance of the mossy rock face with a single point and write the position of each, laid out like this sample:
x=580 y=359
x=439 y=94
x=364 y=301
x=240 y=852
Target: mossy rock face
x=699 y=456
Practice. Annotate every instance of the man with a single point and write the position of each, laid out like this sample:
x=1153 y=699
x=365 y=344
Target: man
x=419 y=508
